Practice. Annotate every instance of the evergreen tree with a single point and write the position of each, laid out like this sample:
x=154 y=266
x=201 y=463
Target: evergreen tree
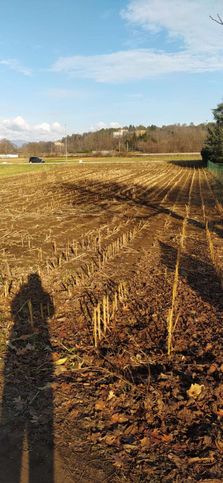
x=213 y=148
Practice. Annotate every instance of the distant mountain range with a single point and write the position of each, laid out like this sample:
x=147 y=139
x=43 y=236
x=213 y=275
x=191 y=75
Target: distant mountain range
x=18 y=142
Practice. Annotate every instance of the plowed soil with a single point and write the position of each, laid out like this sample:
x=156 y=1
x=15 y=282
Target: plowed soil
x=111 y=325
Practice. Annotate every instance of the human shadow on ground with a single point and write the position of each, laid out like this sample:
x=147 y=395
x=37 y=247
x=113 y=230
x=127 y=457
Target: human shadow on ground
x=26 y=436
x=201 y=276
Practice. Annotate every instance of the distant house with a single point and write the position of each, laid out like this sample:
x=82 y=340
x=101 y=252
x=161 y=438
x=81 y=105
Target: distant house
x=140 y=132
x=9 y=156
x=120 y=133
x=103 y=152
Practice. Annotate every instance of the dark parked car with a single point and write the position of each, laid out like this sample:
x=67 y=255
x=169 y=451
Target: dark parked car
x=35 y=159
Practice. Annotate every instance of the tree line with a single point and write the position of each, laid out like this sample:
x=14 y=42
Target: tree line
x=150 y=139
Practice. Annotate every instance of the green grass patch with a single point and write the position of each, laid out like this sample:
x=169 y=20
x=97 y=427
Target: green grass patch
x=127 y=159
x=14 y=169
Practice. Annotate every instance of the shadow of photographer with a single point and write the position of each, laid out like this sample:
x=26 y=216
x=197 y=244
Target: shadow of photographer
x=26 y=437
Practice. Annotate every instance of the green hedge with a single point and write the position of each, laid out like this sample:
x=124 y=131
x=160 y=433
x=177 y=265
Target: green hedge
x=216 y=169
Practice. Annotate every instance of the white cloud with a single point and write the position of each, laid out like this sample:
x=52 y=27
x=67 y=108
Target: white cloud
x=136 y=64
x=14 y=64
x=56 y=127
x=18 y=124
x=199 y=42
x=43 y=128
x=185 y=20
x=115 y=125
x=19 y=128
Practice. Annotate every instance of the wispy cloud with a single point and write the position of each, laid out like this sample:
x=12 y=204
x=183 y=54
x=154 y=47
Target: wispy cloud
x=138 y=64
x=185 y=20
x=15 y=65
x=199 y=44
x=19 y=128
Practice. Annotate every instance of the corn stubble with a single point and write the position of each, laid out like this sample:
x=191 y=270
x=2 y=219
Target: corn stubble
x=171 y=325
x=105 y=311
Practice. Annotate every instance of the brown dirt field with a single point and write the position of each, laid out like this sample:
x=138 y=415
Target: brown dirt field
x=96 y=261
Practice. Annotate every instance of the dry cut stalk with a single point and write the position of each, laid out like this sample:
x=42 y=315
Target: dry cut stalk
x=208 y=232
x=6 y=288
x=105 y=311
x=171 y=311
x=170 y=318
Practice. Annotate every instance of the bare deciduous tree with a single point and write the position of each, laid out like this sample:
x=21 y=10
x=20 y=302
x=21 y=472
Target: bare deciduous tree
x=219 y=19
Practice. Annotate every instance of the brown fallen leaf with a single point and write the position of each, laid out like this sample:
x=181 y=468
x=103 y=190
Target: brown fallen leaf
x=212 y=480
x=165 y=438
x=219 y=392
x=118 y=463
x=61 y=361
x=145 y=442
x=176 y=460
x=148 y=403
x=187 y=415
x=100 y=405
x=212 y=369
x=149 y=417
x=59 y=370
x=130 y=447
x=219 y=445
x=74 y=413
x=55 y=356
x=119 y=418
x=131 y=429
x=195 y=390
x=198 y=459
x=110 y=439
x=111 y=395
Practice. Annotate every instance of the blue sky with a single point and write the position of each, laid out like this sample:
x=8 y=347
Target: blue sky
x=100 y=63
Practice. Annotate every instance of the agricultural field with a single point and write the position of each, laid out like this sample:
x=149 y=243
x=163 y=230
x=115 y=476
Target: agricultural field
x=111 y=323
x=6 y=163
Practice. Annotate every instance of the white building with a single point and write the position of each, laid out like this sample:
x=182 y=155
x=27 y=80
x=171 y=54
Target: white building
x=11 y=156
x=120 y=133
